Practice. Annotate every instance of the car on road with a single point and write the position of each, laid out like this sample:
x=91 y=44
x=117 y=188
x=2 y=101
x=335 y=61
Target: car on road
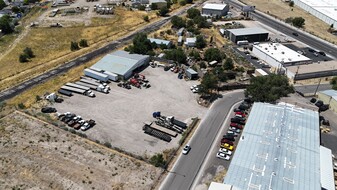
x=227 y=146
x=311 y=50
x=322 y=53
x=295 y=33
x=186 y=149
x=222 y=155
x=228 y=152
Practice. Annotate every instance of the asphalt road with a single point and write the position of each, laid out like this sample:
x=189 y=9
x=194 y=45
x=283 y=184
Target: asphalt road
x=310 y=89
x=185 y=170
x=13 y=91
x=282 y=27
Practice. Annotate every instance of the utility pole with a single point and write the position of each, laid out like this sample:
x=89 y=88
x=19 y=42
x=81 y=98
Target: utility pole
x=319 y=82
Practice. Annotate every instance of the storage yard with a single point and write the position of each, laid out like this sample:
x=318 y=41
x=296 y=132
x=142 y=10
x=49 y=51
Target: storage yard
x=121 y=114
x=36 y=155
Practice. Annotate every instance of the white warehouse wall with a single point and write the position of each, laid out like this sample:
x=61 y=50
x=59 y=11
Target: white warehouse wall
x=263 y=56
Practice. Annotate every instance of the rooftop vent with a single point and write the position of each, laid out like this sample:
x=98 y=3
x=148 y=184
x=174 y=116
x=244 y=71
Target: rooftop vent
x=282 y=52
x=291 y=181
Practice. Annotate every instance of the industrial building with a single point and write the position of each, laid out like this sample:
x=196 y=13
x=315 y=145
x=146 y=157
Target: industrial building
x=280 y=149
x=121 y=63
x=160 y=41
x=254 y=34
x=324 y=10
x=159 y=3
x=329 y=97
x=191 y=74
x=278 y=55
x=314 y=70
x=215 y=9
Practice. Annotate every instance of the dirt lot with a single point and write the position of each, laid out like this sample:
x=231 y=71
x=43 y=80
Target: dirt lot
x=120 y=114
x=35 y=155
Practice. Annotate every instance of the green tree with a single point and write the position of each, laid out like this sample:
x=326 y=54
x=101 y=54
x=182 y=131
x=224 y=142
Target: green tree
x=163 y=11
x=182 y=2
x=228 y=65
x=220 y=74
x=298 y=22
x=333 y=82
x=213 y=54
x=177 y=55
x=16 y=9
x=158 y=160
x=146 y=18
x=5 y=24
x=29 y=52
x=23 y=58
x=154 y=6
x=141 y=44
x=208 y=83
x=2 y=4
x=291 y=3
x=192 y=13
x=189 y=1
x=178 y=22
x=83 y=43
x=194 y=54
x=74 y=46
x=289 y=20
x=174 y=1
x=202 y=65
x=200 y=42
x=268 y=88
x=168 y=4
x=201 y=22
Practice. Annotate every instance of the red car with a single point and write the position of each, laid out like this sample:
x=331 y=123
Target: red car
x=223 y=141
x=240 y=113
x=236 y=126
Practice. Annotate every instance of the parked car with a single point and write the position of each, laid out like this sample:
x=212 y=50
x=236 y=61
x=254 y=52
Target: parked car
x=186 y=149
x=236 y=120
x=319 y=103
x=231 y=133
x=322 y=53
x=235 y=129
x=240 y=113
x=222 y=155
x=228 y=152
x=240 y=118
x=48 y=110
x=295 y=34
x=323 y=107
x=87 y=124
x=227 y=146
x=224 y=140
x=313 y=100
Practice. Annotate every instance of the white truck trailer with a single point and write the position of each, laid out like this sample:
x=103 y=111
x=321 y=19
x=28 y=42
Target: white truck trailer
x=96 y=75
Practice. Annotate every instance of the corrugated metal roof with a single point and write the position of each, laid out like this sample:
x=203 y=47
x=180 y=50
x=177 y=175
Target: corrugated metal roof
x=191 y=71
x=327 y=176
x=331 y=93
x=214 y=6
x=248 y=31
x=119 y=62
x=159 y=41
x=278 y=149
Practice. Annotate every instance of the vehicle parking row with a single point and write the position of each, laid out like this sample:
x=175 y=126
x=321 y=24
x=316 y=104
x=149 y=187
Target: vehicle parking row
x=76 y=121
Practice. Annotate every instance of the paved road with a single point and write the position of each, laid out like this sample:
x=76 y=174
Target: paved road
x=11 y=92
x=310 y=89
x=187 y=167
x=282 y=27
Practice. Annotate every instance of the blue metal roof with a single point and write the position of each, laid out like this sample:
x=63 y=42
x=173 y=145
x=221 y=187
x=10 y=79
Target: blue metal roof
x=331 y=93
x=278 y=149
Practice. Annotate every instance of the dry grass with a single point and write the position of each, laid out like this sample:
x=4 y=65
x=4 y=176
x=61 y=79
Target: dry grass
x=52 y=85
x=52 y=45
x=282 y=10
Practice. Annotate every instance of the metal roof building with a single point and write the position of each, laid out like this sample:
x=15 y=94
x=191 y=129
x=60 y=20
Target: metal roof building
x=278 y=149
x=329 y=97
x=160 y=41
x=121 y=63
x=327 y=176
x=212 y=9
x=326 y=10
x=254 y=34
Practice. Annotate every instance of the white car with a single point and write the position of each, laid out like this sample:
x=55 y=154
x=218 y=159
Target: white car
x=222 y=155
x=235 y=130
x=193 y=87
x=85 y=126
x=186 y=149
x=228 y=152
x=195 y=90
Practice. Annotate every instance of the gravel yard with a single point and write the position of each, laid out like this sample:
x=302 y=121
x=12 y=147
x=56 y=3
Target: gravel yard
x=121 y=113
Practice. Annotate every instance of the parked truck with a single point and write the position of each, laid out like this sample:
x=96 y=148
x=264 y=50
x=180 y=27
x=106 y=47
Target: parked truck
x=99 y=88
x=78 y=91
x=90 y=81
x=156 y=133
x=96 y=75
x=87 y=89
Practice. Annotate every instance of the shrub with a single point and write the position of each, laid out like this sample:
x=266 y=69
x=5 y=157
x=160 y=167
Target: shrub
x=21 y=106
x=74 y=46
x=158 y=160
x=84 y=43
x=107 y=144
x=146 y=18
x=182 y=2
x=23 y=58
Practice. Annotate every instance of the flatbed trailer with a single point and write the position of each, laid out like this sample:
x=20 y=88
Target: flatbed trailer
x=156 y=133
x=65 y=92
x=179 y=123
x=163 y=130
x=93 y=87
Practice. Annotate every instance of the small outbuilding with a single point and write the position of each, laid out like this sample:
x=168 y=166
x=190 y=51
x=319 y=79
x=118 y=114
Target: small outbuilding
x=190 y=42
x=254 y=34
x=211 y=9
x=191 y=74
x=329 y=97
x=160 y=42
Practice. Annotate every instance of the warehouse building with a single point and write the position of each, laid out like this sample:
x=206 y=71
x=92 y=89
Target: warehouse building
x=279 y=56
x=160 y=3
x=326 y=10
x=254 y=34
x=314 y=70
x=121 y=63
x=215 y=9
x=282 y=143
x=329 y=97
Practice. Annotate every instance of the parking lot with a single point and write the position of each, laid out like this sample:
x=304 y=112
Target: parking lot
x=120 y=115
x=309 y=54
